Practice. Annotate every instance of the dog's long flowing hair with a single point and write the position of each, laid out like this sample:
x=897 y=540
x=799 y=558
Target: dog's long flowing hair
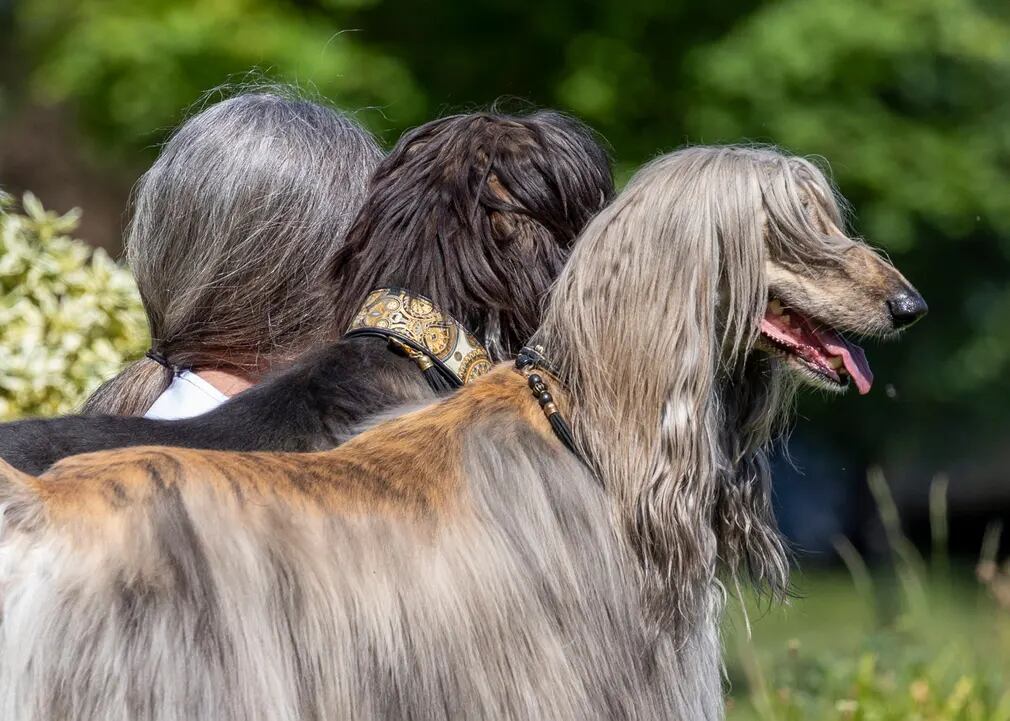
x=654 y=319
x=480 y=211
x=458 y=561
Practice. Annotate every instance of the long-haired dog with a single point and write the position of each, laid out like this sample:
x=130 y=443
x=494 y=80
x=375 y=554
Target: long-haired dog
x=459 y=561
x=477 y=212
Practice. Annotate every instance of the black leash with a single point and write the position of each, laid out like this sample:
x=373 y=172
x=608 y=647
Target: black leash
x=527 y=361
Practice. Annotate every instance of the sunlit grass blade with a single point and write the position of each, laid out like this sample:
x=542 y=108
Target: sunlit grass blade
x=938 y=528
x=909 y=565
x=858 y=570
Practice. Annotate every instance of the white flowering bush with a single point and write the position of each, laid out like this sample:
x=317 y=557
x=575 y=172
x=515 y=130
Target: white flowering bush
x=70 y=316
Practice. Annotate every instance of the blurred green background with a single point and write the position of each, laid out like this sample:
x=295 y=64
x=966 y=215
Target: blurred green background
x=908 y=100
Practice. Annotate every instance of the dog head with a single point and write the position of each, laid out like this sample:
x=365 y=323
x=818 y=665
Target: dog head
x=478 y=212
x=822 y=285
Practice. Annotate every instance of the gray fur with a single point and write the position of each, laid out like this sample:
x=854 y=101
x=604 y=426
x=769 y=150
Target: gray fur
x=525 y=608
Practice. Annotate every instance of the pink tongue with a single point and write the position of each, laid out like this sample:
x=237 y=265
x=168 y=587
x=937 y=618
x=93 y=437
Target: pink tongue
x=803 y=333
x=852 y=357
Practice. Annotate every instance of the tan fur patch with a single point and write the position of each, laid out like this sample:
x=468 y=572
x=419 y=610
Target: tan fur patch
x=407 y=467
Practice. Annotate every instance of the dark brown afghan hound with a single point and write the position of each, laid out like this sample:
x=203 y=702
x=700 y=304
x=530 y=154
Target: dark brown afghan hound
x=476 y=212
x=461 y=561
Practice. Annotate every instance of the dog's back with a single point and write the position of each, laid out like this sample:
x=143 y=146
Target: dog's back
x=454 y=563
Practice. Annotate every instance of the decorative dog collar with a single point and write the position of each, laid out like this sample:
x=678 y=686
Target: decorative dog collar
x=416 y=326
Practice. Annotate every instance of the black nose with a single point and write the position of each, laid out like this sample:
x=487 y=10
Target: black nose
x=906 y=307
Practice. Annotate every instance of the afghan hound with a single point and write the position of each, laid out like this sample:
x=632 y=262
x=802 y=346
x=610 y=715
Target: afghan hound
x=472 y=214
x=546 y=543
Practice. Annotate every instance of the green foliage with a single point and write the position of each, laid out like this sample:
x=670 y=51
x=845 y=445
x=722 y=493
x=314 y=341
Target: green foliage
x=922 y=644
x=909 y=100
x=133 y=68
x=890 y=678
x=69 y=315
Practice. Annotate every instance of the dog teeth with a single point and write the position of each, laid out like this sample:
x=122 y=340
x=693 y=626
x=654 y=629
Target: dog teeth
x=776 y=306
x=836 y=363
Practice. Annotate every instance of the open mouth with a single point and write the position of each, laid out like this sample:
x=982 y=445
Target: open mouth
x=815 y=348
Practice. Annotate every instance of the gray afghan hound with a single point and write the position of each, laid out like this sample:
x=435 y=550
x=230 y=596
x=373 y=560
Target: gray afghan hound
x=544 y=544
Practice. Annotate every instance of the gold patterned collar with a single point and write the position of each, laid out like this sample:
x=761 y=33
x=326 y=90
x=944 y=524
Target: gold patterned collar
x=421 y=330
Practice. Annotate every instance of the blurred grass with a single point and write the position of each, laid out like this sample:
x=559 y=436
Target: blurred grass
x=914 y=641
